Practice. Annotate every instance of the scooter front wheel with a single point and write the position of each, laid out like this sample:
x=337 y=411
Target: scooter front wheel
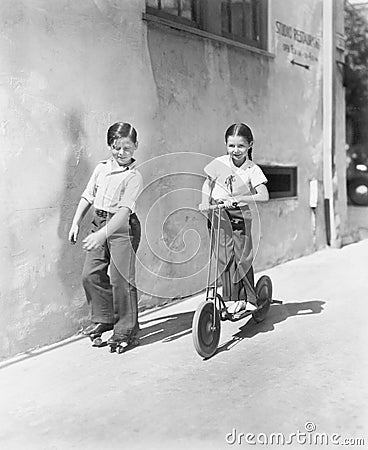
x=264 y=298
x=206 y=329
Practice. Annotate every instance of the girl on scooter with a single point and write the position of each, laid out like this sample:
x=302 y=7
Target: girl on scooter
x=235 y=179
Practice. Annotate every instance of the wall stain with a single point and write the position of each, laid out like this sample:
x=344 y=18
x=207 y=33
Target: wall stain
x=77 y=173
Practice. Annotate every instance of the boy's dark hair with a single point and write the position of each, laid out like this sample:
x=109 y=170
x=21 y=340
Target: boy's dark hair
x=240 y=129
x=120 y=130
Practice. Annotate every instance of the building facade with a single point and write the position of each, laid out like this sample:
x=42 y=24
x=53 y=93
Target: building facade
x=181 y=73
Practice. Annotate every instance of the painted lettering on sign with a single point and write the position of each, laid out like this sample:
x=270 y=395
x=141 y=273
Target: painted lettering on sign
x=284 y=30
x=297 y=43
x=290 y=48
x=297 y=35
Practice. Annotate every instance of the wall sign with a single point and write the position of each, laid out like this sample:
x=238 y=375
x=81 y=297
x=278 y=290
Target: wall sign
x=302 y=47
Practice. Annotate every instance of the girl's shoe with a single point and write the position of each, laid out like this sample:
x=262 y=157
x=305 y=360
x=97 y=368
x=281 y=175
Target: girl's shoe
x=251 y=307
x=241 y=305
x=237 y=306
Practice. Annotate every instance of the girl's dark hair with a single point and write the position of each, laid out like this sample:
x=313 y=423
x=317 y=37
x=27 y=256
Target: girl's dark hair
x=120 y=130
x=240 y=129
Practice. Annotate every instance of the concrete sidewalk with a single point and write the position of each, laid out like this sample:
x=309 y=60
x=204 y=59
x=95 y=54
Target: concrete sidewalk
x=306 y=363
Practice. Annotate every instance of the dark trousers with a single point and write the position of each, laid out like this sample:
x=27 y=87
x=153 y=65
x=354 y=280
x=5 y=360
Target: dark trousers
x=113 y=297
x=235 y=256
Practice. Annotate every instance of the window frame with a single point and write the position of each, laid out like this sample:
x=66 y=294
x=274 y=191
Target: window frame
x=202 y=26
x=176 y=18
x=275 y=170
x=261 y=24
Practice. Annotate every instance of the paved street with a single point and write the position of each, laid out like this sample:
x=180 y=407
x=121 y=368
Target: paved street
x=306 y=363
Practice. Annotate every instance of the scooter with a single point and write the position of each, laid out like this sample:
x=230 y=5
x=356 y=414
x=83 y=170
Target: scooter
x=206 y=327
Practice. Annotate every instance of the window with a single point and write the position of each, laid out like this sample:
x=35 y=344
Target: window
x=186 y=11
x=238 y=20
x=282 y=181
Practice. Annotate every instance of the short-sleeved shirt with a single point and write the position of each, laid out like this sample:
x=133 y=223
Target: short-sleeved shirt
x=232 y=180
x=112 y=186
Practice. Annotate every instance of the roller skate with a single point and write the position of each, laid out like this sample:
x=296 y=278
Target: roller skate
x=122 y=344
x=95 y=331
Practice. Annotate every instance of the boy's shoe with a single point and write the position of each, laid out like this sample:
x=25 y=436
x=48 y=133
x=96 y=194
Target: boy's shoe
x=86 y=331
x=97 y=329
x=121 y=344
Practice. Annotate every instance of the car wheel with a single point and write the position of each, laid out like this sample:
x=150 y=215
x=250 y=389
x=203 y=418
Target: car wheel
x=358 y=191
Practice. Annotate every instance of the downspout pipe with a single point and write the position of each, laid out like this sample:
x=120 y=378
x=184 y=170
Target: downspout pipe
x=329 y=120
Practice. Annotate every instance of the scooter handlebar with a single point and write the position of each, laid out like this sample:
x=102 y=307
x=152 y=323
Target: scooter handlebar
x=221 y=206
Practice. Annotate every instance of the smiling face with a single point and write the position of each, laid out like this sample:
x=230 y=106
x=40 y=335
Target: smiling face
x=237 y=147
x=122 y=150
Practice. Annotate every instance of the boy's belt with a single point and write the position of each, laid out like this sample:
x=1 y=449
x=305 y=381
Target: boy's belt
x=102 y=213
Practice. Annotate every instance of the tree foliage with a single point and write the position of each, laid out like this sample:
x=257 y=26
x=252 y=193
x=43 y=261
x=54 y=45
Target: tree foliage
x=356 y=31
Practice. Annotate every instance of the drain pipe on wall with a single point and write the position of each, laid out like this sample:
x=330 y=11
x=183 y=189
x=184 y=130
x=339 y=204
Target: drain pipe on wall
x=329 y=121
x=313 y=203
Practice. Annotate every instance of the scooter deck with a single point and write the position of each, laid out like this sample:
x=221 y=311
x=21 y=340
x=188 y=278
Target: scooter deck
x=244 y=313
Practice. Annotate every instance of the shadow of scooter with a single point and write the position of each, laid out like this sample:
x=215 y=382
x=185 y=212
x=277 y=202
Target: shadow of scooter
x=276 y=314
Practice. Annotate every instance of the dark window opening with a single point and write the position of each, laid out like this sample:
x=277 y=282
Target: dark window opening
x=185 y=11
x=282 y=181
x=239 y=20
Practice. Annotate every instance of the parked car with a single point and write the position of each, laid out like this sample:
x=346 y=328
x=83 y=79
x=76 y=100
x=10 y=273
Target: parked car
x=357 y=176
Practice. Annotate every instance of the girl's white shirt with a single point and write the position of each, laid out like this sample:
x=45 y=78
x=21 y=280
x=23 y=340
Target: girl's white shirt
x=231 y=180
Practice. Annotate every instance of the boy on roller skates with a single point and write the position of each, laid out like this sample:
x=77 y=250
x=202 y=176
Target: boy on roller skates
x=113 y=242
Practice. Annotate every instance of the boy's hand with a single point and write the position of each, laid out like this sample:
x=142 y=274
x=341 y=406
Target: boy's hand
x=94 y=240
x=73 y=234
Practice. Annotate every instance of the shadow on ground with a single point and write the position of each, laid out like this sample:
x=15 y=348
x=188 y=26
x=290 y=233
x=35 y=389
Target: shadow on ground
x=165 y=329
x=172 y=327
x=276 y=314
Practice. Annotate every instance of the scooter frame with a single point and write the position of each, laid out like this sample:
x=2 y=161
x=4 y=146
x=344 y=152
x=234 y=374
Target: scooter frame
x=207 y=319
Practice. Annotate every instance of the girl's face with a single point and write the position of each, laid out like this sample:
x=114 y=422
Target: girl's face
x=237 y=147
x=122 y=150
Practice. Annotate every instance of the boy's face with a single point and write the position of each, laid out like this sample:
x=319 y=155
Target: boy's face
x=237 y=147
x=122 y=150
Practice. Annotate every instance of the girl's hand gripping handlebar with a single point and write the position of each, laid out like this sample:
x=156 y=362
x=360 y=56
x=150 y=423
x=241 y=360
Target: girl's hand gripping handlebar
x=208 y=207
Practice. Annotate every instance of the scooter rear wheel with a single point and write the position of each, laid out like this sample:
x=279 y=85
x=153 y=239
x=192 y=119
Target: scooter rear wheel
x=264 y=298
x=206 y=329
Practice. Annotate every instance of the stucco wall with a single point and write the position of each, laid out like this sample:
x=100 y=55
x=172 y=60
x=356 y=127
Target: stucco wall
x=203 y=86
x=71 y=69
x=68 y=70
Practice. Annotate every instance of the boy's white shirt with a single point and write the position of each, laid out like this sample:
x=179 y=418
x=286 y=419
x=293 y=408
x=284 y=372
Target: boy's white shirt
x=243 y=179
x=112 y=186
